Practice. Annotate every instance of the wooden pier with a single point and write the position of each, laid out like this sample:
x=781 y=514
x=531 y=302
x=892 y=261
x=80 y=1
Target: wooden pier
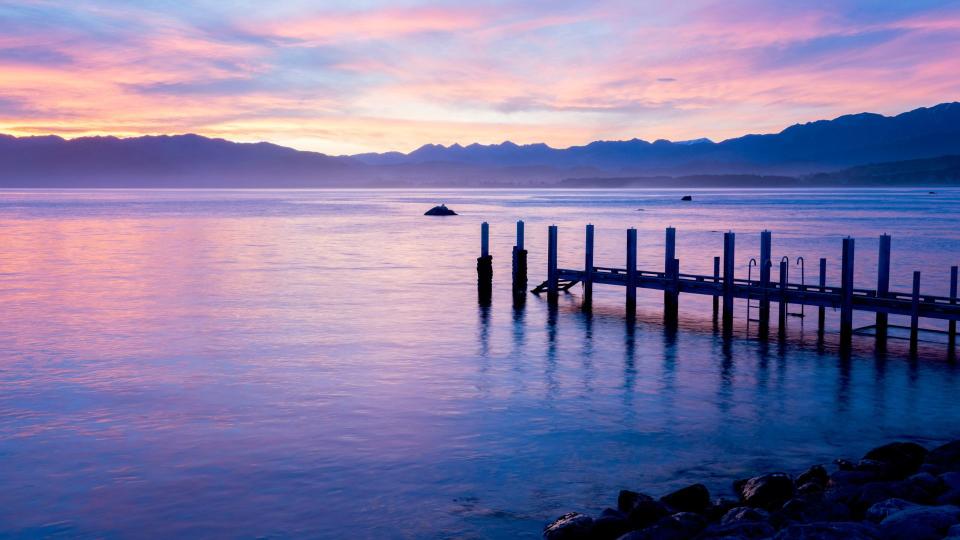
x=724 y=287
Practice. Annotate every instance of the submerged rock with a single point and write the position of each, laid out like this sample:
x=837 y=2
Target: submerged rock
x=441 y=210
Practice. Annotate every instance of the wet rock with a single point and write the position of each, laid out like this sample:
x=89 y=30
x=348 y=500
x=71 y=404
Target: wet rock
x=927 y=482
x=829 y=531
x=612 y=524
x=570 y=526
x=646 y=513
x=845 y=464
x=946 y=457
x=810 y=487
x=816 y=474
x=950 y=480
x=720 y=507
x=883 y=509
x=768 y=491
x=738 y=531
x=686 y=198
x=695 y=498
x=847 y=477
x=904 y=458
x=627 y=500
x=743 y=514
x=875 y=492
x=953 y=533
x=920 y=523
x=441 y=210
x=950 y=497
x=680 y=526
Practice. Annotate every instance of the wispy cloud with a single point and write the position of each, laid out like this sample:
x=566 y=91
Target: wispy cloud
x=393 y=76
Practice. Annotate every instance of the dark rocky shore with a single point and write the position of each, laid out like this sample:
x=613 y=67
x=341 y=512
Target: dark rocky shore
x=899 y=491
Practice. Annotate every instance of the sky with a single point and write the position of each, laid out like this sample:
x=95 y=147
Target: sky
x=347 y=77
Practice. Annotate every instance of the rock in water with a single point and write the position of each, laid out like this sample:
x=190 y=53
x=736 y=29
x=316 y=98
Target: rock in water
x=903 y=458
x=769 y=491
x=920 y=523
x=441 y=210
x=693 y=498
x=572 y=526
x=686 y=198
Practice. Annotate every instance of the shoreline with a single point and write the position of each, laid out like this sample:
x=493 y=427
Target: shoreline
x=898 y=491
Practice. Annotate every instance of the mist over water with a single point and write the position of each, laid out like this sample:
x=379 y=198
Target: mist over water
x=315 y=364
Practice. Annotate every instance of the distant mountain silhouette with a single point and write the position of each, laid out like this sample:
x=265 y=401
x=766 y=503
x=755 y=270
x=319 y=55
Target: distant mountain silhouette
x=195 y=161
x=815 y=146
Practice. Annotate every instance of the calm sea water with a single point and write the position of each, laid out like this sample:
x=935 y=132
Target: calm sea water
x=315 y=364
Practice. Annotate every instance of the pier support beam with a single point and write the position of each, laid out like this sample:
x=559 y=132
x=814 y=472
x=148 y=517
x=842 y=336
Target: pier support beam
x=822 y=311
x=588 y=269
x=519 y=267
x=915 y=313
x=553 y=285
x=671 y=310
x=782 y=302
x=716 y=279
x=631 y=272
x=952 y=326
x=484 y=267
x=883 y=287
x=669 y=256
x=765 y=266
x=846 y=293
x=729 y=248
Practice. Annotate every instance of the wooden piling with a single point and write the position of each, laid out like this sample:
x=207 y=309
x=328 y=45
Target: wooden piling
x=671 y=309
x=588 y=268
x=765 y=266
x=915 y=313
x=553 y=285
x=952 y=326
x=729 y=248
x=484 y=267
x=822 y=311
x=669 y=256
x=883 y=286
x=519 y=266
x=782 y=301
x=716 y=279
x=846 y=292
x=631 y=272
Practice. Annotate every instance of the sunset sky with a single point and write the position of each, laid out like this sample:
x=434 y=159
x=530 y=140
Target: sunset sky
x=357 y=76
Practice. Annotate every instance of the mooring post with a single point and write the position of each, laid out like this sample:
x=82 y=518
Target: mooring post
x=846 y=292
x=782 y=303
x=729 y=245
x=519 y=266
x=952 y=325
x=588 y=269
x=883 y=286
x=484 y=266
x=716 y=279
x=631 y=272
x=671 y=309
x=822 y=311
x=915 y=312
x=669 y=255
x=765 y=265
x=553 y=285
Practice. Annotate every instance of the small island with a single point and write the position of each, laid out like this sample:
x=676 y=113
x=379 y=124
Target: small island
x=441 y=210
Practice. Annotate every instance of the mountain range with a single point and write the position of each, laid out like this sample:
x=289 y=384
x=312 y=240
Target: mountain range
x=811 y=153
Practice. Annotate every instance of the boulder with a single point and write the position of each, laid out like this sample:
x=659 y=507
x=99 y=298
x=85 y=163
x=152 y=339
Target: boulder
x=810 y=487
x=848 y=477
x=720 y=507
x=953 y=533
x=927 y=482
x=571 y=526
x=646 y=513
x=904 y=458
x=875 y=492
x=680 y=526
x=883 y=509
x=695 y=498
x=441 y=210
x=627 y=500
x=686 y=198
x=816 y=474
x=920 y=523
x=946 y=457
x=748 y=530
x=950 y=480
x=768 y=491
x=811 y=508
x=744 y=514
x=612 y=524
x=829 y=531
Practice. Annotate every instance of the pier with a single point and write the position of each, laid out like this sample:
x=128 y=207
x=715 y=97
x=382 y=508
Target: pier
x=725 y=287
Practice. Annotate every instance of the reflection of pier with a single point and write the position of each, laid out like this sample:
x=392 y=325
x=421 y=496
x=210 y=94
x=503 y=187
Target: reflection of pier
x=726 y=287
